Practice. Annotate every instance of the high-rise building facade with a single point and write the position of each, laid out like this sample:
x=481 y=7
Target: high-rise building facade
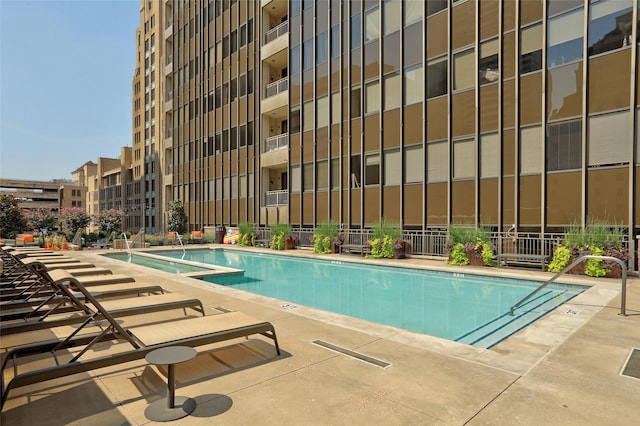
x=425 y=113
x=144 y=192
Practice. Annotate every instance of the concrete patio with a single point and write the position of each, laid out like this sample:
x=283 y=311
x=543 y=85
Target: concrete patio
x=563 y=370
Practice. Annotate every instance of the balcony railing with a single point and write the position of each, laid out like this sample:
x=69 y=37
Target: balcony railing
x=276 y=32
x=277 y=87
x=277 y=198
x=277 y=142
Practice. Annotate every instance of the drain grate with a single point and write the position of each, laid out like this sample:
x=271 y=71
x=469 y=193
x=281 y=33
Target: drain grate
x=632 y=367
x=353 y=354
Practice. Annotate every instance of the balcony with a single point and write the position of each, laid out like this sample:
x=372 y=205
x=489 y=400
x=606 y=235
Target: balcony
x=276 y=32
x=277 y=198
x=276 y=143
x=276 y=87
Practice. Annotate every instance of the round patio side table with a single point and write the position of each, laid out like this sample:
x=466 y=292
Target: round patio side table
x=175 y=407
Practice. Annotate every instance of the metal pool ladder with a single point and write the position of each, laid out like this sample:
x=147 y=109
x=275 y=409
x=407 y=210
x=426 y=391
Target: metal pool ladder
x=179 y=238
x=623 y=295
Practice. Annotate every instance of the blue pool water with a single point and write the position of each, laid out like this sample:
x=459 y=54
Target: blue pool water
x=162 y=265
x=470 y=309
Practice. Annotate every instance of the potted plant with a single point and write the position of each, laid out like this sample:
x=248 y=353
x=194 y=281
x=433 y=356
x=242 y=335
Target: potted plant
x=387 y=241
x=470 y=246
x=327 y=238
x=247 y=234
x=282 y=237
x=597 y=238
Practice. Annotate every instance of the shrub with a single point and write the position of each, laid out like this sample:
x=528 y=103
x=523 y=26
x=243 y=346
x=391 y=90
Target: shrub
x=323 y=236
x=75 y=218
x=561 y=259
x=385 y=228
x=246 y=234
x=278 y=233
x=42 y=218
x=177 y=217
x=593 y=267
x=12 y=220
x=110 y=220
x=457 y=255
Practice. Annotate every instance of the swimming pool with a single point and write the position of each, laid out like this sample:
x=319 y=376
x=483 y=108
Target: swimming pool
x=465 y=308
x=165 y=265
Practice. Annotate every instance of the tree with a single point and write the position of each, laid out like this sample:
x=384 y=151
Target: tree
x=75 y=218
x=177 y=217
x=109 y=220
x=42 y=218
x=12 y=220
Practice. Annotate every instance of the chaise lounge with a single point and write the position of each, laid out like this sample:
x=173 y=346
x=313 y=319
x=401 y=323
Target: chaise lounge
x=193 y=332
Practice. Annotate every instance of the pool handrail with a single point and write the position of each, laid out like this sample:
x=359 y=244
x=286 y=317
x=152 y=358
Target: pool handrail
x=179 y=238
x=126 y=242
x=623 y=295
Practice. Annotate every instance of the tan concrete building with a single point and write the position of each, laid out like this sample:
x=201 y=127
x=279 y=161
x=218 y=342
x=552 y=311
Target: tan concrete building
x=423 y=113
x=149 y=93
x=33 y=193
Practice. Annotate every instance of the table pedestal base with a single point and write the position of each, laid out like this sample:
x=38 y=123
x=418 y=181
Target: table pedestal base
x=159 y=411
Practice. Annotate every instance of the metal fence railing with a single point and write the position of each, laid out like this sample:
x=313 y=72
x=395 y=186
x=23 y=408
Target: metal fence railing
x=276 y=32
x=434 y=242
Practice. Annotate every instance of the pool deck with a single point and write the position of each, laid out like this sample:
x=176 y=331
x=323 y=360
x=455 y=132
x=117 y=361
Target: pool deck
x=562 y=370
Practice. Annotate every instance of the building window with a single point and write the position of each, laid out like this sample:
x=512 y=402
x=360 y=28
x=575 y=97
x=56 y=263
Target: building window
x=609 y=139
x=564 y=146
x=335 y=173
x=336 y=108
x=294 y=120
x=531 y=151
x=371 y=24
x=434 y=6
x=294 y=62
x=322 y=175
x=413 y=11
x=307 y=177
x=488 y=62
x=307 y=55
x=372 y=97
x=392 y=91
x=564 y=38
x=392 y=167
x=372 y=169
x=463 y=70
x=335 y=41
x=355 y=102
x=296 y=181
x=234 y=187
x=610 y=25
x=413 y=85
x=531 y=49
x=322 y=112
x=355 y=31
x=464 y=159
x=436 y=77
x=308 y=115
x=218 y=189
x=489 y=155
x=392 y=16
x=413 y=164
x=322 y=48
x=355 y=171
x=242 y=188
x=437 y=162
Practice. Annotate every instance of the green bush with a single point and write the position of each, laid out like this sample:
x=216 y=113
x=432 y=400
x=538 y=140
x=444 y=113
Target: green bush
x=382 y=247
x=561 y=259
x=278 y=233
x=385 y=228
x=247 y=234
x=324 y=234
x=593 y=267
x=457 y=255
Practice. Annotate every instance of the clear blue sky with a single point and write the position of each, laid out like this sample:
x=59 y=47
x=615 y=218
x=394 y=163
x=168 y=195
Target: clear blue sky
x=65 y=84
